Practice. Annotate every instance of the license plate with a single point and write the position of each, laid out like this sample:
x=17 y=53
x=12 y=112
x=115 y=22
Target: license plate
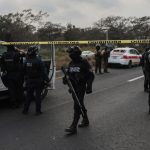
x=114 y=57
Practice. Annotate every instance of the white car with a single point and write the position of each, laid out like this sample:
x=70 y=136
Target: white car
x=125 y=56
x=87 y=54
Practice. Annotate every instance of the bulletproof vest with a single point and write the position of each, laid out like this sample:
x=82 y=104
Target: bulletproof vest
x=77 y=72
x=11 y=62
x=143 y=62
x=33 y=68
x=147 y=61
x=98 y=55
x=106 y=54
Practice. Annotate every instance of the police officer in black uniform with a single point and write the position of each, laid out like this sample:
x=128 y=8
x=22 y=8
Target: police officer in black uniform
x=106 y=55
x=35 y=75
x=147 y=71
x=98 y=60
x=12 y=74
x=81 y=77
x=143 y=64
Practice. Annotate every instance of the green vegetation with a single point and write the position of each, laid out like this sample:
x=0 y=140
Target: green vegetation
x=30 y=26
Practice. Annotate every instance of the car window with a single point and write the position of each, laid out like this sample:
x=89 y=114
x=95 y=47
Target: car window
x=132 y=51
x=2 y=49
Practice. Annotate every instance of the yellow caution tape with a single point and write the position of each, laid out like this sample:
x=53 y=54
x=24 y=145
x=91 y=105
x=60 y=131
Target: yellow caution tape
x=78 y=42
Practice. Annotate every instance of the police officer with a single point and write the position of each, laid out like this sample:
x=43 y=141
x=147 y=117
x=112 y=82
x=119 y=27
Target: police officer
x=147 y=71
x=98 y=59
x=35 y=75
x=81 y=77
x=106 y=55
x=143 y=64
x=12 y=74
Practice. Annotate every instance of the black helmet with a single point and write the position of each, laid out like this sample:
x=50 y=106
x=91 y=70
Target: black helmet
x=74 y=50
x=32 y=50
x=97 y=47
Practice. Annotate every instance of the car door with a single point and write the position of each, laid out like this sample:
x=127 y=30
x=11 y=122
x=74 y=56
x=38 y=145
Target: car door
x=138 y=57
x=134 y=56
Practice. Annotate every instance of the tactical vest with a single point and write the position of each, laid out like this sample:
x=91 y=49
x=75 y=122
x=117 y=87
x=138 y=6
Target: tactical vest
x=11 y=62
x=98 y=55
x=33 y=68
x=147 y=61
x=77 y=71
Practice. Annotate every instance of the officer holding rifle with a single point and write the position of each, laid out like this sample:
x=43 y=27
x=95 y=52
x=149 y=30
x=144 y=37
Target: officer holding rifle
x=79 y=77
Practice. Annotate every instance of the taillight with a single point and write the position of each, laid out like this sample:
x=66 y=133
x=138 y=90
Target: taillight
x=124 y=57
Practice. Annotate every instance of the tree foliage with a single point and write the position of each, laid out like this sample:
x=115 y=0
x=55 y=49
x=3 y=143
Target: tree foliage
x=30 y=26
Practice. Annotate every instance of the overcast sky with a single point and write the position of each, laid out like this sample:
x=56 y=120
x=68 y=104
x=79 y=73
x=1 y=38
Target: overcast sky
x=82 y=13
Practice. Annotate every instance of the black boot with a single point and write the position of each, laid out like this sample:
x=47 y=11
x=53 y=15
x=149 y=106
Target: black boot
x=71 y=130
x=85 y=122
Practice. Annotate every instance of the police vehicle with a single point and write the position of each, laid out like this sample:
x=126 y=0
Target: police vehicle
x=87 y=54
x=125 y=56
x=3 y=89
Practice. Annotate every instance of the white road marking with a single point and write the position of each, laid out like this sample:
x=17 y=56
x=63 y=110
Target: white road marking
x=131 y=80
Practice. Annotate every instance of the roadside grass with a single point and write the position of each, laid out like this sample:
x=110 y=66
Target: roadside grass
x=62 y=58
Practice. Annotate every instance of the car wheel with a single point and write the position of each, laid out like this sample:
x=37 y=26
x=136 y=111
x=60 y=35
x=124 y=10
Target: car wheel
x=130 y=64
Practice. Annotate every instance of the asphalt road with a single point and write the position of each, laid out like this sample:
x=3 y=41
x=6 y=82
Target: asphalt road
x=117 y=109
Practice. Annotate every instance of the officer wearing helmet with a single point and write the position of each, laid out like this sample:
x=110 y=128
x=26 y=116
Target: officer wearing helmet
x=147 y=71
x=12 y=74
x=35 y=75
x=143 y=64
x=81 y=77
x=98 y=59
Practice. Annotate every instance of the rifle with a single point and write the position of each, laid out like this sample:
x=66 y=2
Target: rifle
x=71 y=89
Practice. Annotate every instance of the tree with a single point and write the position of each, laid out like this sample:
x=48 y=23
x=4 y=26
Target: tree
x=20 y=26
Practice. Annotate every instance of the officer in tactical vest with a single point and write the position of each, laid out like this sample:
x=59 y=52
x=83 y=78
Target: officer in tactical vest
x=106 y=55
x=143 y=64
x=81 y=77
x=35 y=75
x=98 y=60
x=147 y=71
x=12 y=74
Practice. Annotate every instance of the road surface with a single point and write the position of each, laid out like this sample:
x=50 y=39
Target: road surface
x=117 y=109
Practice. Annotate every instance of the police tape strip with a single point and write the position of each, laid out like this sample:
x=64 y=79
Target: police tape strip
x=78 y=42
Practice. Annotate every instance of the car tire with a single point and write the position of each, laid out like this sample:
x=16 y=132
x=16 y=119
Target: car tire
x=130 y=64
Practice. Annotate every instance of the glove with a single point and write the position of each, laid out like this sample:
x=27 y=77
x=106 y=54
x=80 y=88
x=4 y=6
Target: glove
x=64 y=80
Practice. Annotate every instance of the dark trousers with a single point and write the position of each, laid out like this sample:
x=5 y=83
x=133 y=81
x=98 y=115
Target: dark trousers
x=146 y=82
x=77 y=110
x=148 y=78
x=98 y=66
x=34 y=89
x=15 y=89
x=105 y=65
x=149 y=98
